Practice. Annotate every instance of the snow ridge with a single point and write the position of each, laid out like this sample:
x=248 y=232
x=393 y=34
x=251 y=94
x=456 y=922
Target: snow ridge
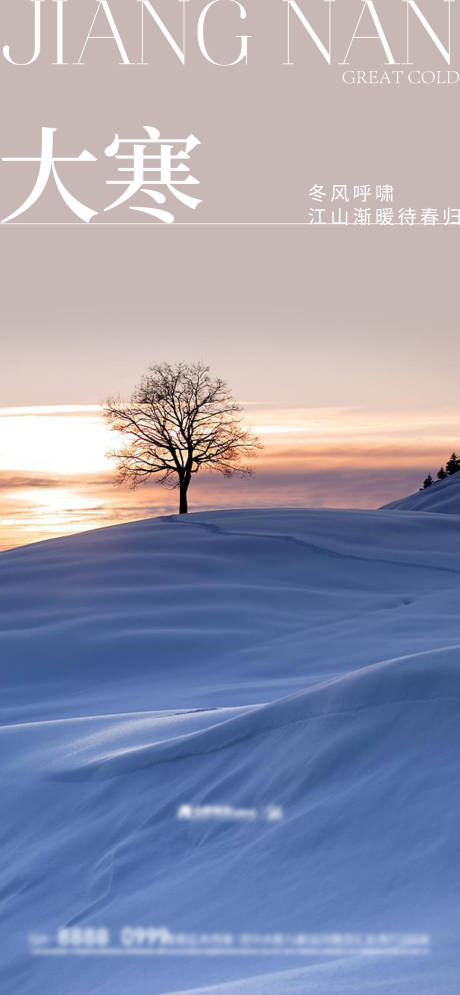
x=304 y=659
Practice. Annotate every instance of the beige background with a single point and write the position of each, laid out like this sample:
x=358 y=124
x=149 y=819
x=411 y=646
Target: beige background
x=339 y=316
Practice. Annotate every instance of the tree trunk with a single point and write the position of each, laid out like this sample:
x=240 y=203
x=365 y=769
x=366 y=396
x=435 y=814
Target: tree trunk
x=183 y=506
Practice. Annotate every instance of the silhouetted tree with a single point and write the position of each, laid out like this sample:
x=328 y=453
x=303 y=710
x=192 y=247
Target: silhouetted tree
x=180 y=419
x=453 y=465
x=428 y=481
x=441 y=474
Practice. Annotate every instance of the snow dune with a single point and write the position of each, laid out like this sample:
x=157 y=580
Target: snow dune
x=303 y=659
x=443 y=497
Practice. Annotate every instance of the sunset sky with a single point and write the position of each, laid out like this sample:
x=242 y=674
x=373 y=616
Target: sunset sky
x=55 y=476
x=349 y=387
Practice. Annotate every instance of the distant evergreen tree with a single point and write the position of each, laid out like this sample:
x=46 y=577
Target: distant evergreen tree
x=453 y=465
x=441 y=474
x=428 y=481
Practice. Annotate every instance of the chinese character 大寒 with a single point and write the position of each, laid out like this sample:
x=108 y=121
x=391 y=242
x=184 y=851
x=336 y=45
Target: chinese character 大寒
x=148 y=166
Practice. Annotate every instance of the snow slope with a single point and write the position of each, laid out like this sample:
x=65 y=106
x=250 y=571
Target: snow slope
x=307 y=659
x=443 y=497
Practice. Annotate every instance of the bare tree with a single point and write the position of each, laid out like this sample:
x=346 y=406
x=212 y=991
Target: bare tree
x=178 y=420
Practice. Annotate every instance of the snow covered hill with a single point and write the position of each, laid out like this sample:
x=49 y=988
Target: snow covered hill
x=307 y=660
x=443 y=497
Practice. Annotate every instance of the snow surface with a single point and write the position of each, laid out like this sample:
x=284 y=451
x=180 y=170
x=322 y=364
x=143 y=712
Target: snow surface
x=309 y=659
x=443 y=497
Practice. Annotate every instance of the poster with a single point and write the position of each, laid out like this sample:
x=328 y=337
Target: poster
x=229 y=532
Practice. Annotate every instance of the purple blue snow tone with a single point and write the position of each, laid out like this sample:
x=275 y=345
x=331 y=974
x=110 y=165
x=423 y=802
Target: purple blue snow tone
x=302 y=659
